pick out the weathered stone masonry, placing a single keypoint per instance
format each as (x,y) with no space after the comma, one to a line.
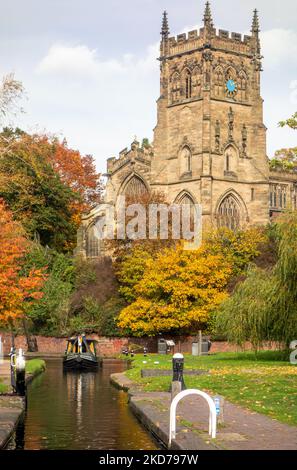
(210,140)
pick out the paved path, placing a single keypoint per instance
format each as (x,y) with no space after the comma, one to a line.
(242,429)
(11,407)
(5,371)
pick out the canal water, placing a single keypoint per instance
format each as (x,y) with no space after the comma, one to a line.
(72,410)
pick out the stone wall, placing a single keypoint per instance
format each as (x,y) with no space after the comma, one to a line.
(49,345)
(110,347)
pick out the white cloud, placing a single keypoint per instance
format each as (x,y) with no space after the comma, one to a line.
(279,46)
(100,104)
(80,61)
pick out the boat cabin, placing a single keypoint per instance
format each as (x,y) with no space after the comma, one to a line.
(81,345)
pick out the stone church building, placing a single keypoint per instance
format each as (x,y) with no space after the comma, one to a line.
(209,143)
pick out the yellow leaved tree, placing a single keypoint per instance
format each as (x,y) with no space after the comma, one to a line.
(177,289)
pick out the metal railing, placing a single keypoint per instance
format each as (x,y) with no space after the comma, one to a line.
(212,412)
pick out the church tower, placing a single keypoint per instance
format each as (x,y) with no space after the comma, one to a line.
(210,139)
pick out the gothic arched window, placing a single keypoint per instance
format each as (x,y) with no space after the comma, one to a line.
(230,73)
(188,84)
(186,199)
(135,187)
(92,243)
(227,162)
(229,213)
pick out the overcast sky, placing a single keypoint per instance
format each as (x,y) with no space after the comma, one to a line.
(89,66)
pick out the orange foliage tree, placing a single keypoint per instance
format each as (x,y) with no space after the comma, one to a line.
(47,185)
(16,290)
(79,173)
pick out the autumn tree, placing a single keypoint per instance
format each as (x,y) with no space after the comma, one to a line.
(47,185)
(33,190)
(16,290)
(239,247)
(177,291)
(123,247)
(291,122)
(11,92)
(79,173)
(285,159)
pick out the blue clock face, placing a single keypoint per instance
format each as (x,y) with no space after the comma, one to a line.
(231,86)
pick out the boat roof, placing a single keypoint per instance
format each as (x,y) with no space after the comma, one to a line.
(88,340)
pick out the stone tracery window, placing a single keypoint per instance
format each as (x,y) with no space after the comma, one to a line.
(230,74)
(229,213)
(135,187)
(186,200)
(278,196)
(196,82)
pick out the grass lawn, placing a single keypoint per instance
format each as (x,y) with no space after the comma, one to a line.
(266,385)
(34,366)
(3,387)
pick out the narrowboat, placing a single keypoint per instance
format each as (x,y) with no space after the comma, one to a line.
(80,354)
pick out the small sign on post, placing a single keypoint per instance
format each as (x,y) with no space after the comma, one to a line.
(219,404)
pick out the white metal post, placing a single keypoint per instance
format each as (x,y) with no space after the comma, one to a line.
(212,412)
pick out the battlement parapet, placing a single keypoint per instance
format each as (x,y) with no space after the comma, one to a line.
(220,38)
(143,153)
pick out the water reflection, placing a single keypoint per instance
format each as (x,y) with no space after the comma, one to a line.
(71,410)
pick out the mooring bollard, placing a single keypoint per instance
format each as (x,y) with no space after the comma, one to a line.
(20,365)
(178,384)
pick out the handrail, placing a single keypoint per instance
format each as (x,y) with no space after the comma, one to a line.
(212,412)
